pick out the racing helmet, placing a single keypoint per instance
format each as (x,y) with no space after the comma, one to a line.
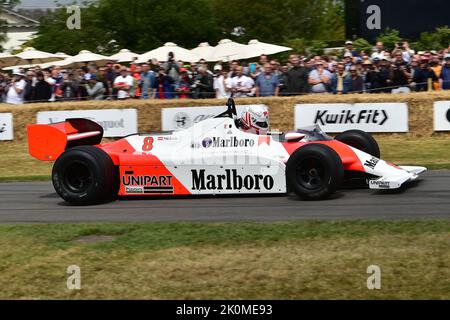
(255,120)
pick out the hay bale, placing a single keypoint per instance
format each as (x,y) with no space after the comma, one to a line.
(281,110)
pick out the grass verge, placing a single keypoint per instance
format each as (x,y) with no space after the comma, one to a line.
(17,165)
(298,260)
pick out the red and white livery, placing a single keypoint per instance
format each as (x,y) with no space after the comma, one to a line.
(213,157)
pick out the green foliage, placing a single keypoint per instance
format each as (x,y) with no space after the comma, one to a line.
(440,38)
(141,25)
(389,38)
(306,47)
(362,45)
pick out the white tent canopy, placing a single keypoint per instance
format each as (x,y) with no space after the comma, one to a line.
(162,53)
(83,58)
(32,56)
(204,51)
(124,55)
(228,50)
(256,48)
(7,60)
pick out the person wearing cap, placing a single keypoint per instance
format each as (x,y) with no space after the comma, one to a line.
(123,84)
(349,48)
(445,73)
(222,83)
(94,88)
(16,91)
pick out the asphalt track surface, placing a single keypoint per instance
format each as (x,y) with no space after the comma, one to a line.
(38,203)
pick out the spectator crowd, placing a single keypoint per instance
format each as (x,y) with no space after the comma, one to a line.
(401,71)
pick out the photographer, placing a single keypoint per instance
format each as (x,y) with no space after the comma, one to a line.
(16,91)
(172,68)
(69,87)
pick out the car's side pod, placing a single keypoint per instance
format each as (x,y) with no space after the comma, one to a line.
(48,142)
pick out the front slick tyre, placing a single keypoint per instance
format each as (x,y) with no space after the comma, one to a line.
(84,175)
(314,172)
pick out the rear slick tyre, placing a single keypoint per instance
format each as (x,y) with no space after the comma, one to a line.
(85,175)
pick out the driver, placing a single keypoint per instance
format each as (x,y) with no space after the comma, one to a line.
(255,120)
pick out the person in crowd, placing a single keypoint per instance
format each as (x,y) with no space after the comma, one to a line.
(69,87)
(42,90)
(102,77)
(340,83)
(3,87)
(355,81)
(204,84)
(233,67)
(284,78)
(378,52)
(164,85)
(124,84)
(172,68)
(222,83)
(349,48)
(136,92)
(183,88)
(445,73)
(16,90)
(94,88)
(147,82)
(319,78)
(297,78)
(241,85)
(372,79)
(267,83)
(437,69)
(384,76)
(30,84)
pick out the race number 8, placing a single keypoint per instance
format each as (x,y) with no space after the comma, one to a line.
(148,144)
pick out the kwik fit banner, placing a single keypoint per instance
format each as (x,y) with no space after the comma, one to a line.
(369,117)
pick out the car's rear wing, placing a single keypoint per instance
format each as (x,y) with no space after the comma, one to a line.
(47,142)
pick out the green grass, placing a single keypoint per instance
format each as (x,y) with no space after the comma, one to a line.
(17,165)
(291,260)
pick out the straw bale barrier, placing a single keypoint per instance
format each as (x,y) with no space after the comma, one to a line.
(281,110)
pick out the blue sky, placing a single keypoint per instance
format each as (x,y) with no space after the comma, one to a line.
(42,3)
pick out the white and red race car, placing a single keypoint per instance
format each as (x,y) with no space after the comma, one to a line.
(212,157)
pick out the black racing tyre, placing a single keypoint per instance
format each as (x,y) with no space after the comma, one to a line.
(314,172)
(85,175)
(360,140)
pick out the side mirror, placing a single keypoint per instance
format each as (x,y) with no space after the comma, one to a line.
(294,136)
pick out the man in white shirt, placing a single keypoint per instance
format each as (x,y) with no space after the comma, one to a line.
(16,91)
(241,85)
(222,83)
(123,83)
(379,52)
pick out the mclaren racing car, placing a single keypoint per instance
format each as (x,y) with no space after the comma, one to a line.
(213,157)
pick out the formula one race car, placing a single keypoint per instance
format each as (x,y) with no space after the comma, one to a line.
(215,156)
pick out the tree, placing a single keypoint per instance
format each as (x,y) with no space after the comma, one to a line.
(389,38)
(362,45)
(440,38)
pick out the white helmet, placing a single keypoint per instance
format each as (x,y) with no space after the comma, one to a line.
(255,120)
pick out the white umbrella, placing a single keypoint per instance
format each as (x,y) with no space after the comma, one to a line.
(7,60)
(124,55)
(204,51)
(62,55)
(162,53)
(256,48)
(32,56)
(83,58)
(228,50)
